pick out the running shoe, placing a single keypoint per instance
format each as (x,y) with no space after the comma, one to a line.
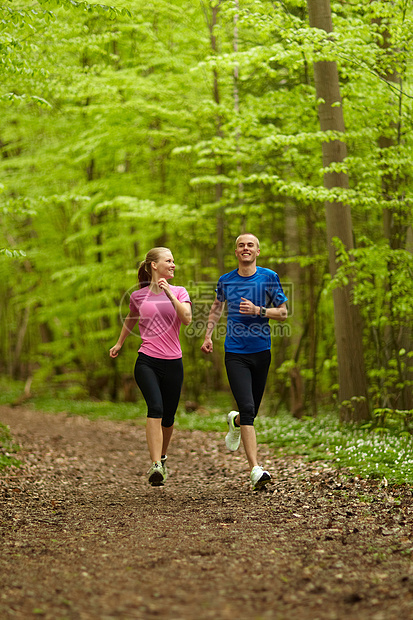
(156,476)
(233,438)
(165,469)
(259,477)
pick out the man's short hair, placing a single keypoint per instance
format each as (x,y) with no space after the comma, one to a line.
(251,235)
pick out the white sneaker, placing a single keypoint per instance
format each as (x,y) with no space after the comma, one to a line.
(156,475)
(259,477)
(233,438)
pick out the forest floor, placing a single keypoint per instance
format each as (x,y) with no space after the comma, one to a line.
(85,537)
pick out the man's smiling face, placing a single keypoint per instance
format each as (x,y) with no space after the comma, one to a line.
(247,249)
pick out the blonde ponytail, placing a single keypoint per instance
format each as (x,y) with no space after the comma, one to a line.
(145,268)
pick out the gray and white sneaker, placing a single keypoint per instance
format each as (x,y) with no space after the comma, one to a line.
(165,469)
(156,476)
(259,477)
(233,438)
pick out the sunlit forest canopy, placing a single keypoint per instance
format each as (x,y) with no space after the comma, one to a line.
(182,124)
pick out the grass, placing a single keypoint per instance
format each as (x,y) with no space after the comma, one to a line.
(367,452)
(6,448)
(90,409)
(384,454)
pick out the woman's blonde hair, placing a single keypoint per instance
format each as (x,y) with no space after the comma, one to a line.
(145,268)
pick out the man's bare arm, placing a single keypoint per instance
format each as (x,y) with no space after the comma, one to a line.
(214,316)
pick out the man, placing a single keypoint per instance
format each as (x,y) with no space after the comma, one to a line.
(253,295)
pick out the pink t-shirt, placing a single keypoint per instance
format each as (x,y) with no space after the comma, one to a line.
(158,322)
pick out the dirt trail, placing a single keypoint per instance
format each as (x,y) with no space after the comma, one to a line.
(84,537)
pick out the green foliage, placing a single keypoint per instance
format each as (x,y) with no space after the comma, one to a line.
(383,289)
(7,449)
(12,253)
(101,9)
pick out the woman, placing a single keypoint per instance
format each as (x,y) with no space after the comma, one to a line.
(160,309)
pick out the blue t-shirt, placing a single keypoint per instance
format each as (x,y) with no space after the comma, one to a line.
(247,333)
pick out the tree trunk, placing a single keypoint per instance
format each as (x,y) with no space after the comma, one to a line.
(293,272)
(348,326)
(313,300)
(395,226)
(23,324)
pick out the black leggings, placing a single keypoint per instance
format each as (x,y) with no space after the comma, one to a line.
(247,375)
(160,382)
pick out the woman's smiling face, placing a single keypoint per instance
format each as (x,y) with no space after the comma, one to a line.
(165,267)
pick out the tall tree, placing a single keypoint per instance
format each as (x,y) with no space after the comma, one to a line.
(396,211)
(348,326)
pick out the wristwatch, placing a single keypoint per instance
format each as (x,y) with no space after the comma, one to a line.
(263,311)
